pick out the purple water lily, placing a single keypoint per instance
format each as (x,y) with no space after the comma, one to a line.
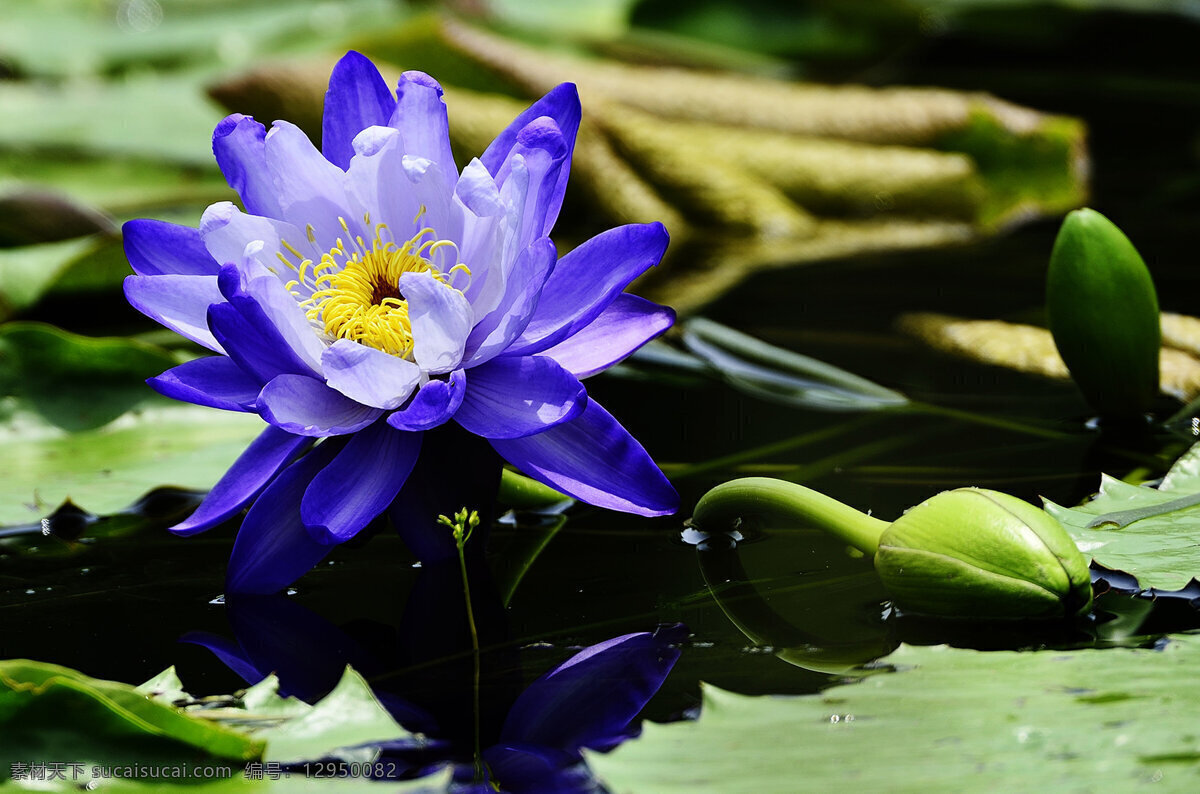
(371,292)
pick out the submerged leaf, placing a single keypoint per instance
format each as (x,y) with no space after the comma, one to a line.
(780,375)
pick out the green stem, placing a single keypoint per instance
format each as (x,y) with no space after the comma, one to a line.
(779,501)
(462,567)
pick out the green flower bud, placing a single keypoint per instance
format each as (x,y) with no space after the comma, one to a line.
(1103,312)
(967,553)
(974,553)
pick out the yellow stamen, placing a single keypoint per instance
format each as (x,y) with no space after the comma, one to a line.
(357,294)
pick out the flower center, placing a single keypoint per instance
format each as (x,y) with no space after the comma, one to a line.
(356,291)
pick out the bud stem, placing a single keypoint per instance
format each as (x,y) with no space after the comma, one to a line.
(777,500)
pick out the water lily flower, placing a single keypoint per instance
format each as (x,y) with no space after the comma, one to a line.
(370,292)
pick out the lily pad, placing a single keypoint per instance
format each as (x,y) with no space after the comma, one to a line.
(1151,533)
(52,712)
(1083,720)
(105,469)
(76,382)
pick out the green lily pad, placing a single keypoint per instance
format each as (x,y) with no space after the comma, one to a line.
(52,712)
(1151,533)
(76,382)
(349,715)
(106,469)
(1005,721)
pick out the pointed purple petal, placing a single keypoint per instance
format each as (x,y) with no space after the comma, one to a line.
(253,342)
(433,405)
(494,332)
(590,699)
(312,190)
(420,116)
(265,304)
(511,397)
(540,148)
(178,302)
(214,381)
(594,459)
(562,105)
(238,146)
(360,482)
(307,407)
(358,97)
(155,248)
(369,376)
(625,325)
(246,478)
(586,280)
(273,548)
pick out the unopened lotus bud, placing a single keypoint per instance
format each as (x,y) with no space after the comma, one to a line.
(967,553)
(1103,312)
(974,553)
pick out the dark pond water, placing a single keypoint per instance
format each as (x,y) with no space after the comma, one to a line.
(118,607)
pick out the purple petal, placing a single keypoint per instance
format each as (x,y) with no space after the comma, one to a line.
(433,405)
(312,190)
(360,482)
(227,232)
(273,548)
(238,146)
(214,381)
(229,652)
(542,150)
(594,459)
(263,301)
(308,407)
(441,320)
(562,105)
(178,302)
(518,396)
(586,280)
(246,478)
(358,97)
(477,190)
(590,699)
(369,376)
(155,248)
(625,325)
(253,342)
(494,332)
(420,116)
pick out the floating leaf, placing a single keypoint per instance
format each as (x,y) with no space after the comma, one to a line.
(1005,720)
(781,375)
(76,382)
(348,716)
(52,712)
(106,469)
(1149,532)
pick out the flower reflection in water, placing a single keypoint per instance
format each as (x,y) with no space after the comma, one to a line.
(531,737)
